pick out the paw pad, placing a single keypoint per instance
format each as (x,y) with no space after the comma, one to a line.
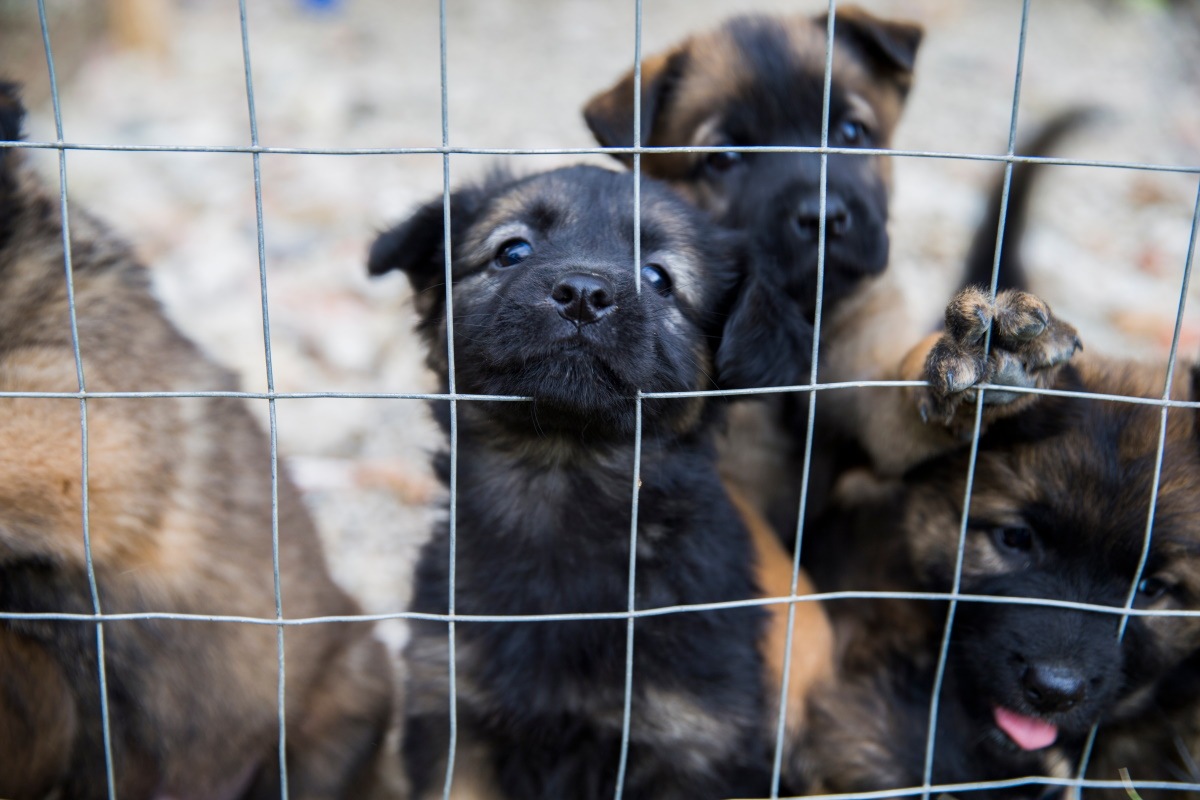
(1028,346)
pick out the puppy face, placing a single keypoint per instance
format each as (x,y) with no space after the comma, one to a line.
(546,302)
(1064,518)
(759,80)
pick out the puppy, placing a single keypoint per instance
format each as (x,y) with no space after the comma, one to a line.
(759,80)
(179,510)
(1059,509)
(546,306)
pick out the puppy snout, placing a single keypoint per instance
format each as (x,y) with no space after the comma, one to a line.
(582,298)
(808,217)
(1051,688)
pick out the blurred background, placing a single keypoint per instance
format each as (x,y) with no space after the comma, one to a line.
(1106,247)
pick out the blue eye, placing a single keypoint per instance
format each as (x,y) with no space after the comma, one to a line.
(657,279)
(850,132)
(1153,588)
(723,160)
(513,252)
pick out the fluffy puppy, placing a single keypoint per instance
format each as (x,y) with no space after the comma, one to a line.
(1059,510)
(759,80)
(546,306)
(179,508)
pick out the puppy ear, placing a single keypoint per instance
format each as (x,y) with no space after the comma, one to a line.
(1196,396)
(417,246)
(890,45)
(12,114)
(609,114)
(766,341)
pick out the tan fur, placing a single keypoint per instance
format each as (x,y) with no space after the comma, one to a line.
(812,636)
(179,514)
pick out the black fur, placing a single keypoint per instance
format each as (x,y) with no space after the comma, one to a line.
(544,500)
(768,193)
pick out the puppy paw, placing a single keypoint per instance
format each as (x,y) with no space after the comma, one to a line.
(1029,346)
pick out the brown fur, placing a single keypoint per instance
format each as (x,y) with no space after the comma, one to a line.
(179,512)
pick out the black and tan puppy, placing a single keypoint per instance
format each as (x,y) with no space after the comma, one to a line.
(179,512)
(759,80)
(1059,511)
(546,306)
(873,718)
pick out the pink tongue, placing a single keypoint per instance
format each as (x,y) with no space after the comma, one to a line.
(1027,732)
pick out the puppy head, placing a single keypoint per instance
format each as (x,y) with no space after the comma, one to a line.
(759,80)
(1064,518)
(545,298)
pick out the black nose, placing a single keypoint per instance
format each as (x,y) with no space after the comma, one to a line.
(1052,688)
(808,217)
(582,298)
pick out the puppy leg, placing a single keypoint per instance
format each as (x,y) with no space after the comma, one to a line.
(37,720)
(1029,347)
(336,748)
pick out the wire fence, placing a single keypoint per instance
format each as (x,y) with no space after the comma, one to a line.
(813,389)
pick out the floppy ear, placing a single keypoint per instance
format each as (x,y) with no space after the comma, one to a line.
(417,246)
(12,113)
(766,340)
(1195,395)
(889,45)
(609,114)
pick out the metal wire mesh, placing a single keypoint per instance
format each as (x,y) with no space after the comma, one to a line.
(813,389)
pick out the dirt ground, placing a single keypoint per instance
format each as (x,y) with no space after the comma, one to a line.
(1107,248)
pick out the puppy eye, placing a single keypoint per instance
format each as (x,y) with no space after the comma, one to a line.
(722,161)
(513,252)
(657,278)
(1151,590)
(1017,538)
(850,132)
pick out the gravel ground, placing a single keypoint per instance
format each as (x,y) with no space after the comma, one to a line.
(1107,247)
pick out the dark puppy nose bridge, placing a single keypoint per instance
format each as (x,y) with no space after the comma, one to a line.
(582,297)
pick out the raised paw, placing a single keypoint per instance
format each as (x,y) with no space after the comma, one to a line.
(1028,347)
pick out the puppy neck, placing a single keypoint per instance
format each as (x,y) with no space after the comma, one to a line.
(525,483)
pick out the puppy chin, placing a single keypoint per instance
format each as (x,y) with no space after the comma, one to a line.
(573,389)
